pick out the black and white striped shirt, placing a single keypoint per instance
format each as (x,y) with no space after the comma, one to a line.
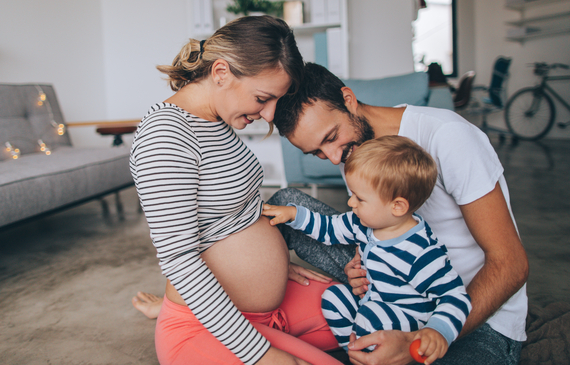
(198,183)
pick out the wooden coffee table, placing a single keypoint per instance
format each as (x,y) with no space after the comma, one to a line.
(117,130)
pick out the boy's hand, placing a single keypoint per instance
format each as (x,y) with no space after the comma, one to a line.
(433,344)
(281,214)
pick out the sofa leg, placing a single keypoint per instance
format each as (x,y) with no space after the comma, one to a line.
(104,208)
(119,205)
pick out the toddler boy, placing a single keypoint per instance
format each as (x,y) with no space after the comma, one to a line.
(413,286)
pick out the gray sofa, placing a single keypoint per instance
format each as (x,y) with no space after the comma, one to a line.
(412,88)
(36,183)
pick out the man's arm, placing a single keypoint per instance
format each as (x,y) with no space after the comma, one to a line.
(505,269)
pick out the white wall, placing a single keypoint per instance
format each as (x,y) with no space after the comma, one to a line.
(380,38)
(465,36)
(56,42)
(138,35)
(490,29)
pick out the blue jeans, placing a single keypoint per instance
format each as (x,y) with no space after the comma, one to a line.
(482,346)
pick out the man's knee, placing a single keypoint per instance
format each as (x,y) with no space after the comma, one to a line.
(482,346)
(283,196)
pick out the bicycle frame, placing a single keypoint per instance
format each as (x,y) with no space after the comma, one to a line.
(544,85)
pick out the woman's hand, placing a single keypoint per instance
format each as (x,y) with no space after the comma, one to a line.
(301,275)
(281,214)
(276,356)
(357,276)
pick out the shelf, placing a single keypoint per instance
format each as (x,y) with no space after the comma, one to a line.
(333,50)
(530,28)
(309,28)
(522,5)
(539,19)
(539,34)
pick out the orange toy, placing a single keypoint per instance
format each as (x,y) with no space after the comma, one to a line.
(414,351)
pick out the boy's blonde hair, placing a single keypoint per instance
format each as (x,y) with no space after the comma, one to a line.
(397,167)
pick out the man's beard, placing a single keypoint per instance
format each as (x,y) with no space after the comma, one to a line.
(363,131)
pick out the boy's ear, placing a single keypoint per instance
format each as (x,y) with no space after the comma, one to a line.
(400,206)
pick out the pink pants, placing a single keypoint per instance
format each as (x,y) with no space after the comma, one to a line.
(297,327)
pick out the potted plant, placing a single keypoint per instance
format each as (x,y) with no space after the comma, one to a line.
(246,7)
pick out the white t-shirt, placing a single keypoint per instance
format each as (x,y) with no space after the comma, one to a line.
(468,169)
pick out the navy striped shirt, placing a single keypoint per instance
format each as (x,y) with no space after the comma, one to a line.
(198,183)
(411,271)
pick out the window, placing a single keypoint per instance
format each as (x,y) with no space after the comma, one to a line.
(435,36)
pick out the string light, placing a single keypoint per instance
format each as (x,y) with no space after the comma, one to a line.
(43,147)
(60,127)
(42,99)
(15,152)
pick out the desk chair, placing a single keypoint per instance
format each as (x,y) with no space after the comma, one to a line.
(463,92)
(496,96)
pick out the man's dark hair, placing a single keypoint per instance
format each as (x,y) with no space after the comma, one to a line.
(318,84)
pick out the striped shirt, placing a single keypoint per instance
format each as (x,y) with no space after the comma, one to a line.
(198,183)
(411,271)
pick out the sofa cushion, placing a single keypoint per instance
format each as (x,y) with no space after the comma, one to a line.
(42,116)
(410,89)
(23,121)
(307,169)
(36,183)
(19,133)
(440,97)
(321,169)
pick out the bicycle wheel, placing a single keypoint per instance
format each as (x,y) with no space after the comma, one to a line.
(530,113)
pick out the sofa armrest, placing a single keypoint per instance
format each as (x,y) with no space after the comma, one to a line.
(440,97)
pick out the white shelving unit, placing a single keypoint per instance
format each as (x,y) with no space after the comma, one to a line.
(268,151)
(526,4)
(308,29)
(534,27)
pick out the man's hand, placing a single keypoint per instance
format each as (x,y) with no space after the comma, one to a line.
(357,276)
(281,214)
(392,348)
(302,275)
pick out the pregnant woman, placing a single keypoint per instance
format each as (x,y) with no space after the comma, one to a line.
(228,298)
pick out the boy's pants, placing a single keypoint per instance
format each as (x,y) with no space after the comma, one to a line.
(345,316)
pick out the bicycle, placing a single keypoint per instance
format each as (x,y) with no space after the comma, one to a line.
(530,112)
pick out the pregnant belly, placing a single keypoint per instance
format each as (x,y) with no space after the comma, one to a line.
(251,266)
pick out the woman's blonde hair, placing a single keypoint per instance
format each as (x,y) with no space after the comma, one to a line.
(397,167)
(250,45)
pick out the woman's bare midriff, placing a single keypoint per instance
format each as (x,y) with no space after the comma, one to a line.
(251,265)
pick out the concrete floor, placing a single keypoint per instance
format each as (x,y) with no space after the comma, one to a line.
(66,280)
